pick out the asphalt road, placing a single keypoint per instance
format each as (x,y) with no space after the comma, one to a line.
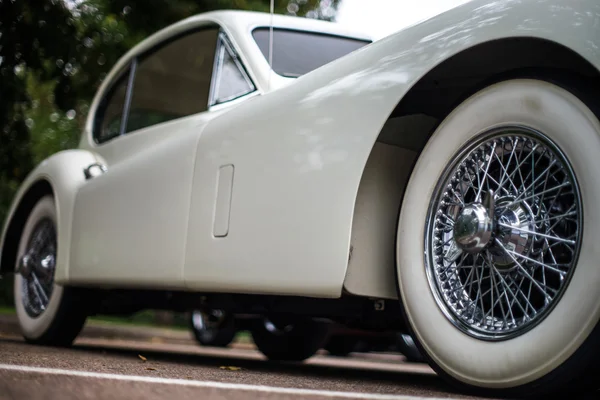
(163,365)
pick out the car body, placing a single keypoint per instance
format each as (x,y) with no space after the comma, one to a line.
(282,196)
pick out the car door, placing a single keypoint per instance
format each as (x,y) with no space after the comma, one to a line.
(130,222)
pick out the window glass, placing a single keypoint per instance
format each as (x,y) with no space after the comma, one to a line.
(173,81)
(108,122)
(231,80)
(296,53)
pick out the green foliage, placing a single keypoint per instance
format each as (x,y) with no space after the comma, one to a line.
(55,53)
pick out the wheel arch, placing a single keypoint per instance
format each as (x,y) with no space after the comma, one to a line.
(16,222)
(468,71)
(372,263)
(60,175)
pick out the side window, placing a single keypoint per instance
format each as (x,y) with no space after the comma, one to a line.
(108,120)
(230,79)
(179,78)
(173,81)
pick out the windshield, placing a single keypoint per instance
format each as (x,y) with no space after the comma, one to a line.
(296,53)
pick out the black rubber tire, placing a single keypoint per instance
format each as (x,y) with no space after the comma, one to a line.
(303,339)
(219,337)
(409,349)
(341,346)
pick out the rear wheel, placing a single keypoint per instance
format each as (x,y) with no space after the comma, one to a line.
(497,266)
(48,313)
(213,327)
(296,340)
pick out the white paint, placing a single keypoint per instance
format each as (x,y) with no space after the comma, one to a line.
(211,385)
(299,154)
(384,17)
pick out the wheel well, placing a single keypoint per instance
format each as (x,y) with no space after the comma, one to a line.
(17,223)
(463,74)
(411,124)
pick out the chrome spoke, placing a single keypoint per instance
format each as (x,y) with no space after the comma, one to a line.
(40,291)
(534,196)
(515,299)
(541,264)
(558,239)
(485,173)
(524,271)
(505,171)
(569,213)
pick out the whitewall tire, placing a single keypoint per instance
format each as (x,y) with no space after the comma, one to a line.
(47,313)
(501,233)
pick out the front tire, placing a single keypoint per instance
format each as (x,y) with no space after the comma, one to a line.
(48,314)
(518,344)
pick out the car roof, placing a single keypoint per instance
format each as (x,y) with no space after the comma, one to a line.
(238,25)
(241,23)
(252,19)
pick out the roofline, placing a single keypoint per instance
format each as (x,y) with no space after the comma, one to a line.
(254,18)
(233,22)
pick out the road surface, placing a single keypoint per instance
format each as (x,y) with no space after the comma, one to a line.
(112,362)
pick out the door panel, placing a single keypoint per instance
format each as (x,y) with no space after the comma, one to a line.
(129,224)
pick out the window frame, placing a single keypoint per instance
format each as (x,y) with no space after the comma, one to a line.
(367,41)
(225,45)
(124,75)
(129,70)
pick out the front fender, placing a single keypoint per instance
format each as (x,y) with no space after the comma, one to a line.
(63,171)
(303,148)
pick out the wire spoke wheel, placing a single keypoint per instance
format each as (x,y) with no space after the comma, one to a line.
(503,233)
(37,267)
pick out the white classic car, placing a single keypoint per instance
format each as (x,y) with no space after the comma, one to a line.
(442,181)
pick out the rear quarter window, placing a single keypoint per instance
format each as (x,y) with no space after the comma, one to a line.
(296,52)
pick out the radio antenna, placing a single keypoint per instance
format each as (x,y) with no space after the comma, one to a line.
(271,42)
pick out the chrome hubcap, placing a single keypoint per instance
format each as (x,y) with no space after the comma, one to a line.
(503,233)
(37,268)
(208,322)
(473,227)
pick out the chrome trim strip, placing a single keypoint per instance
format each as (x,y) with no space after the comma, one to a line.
(128,96)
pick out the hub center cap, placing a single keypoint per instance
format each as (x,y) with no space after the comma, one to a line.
(473,228)
(478,225)
(25,266)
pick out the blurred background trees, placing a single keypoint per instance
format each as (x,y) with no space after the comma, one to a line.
(55,53)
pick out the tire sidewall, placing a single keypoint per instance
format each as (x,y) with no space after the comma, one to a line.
(521,360)
(35,327)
